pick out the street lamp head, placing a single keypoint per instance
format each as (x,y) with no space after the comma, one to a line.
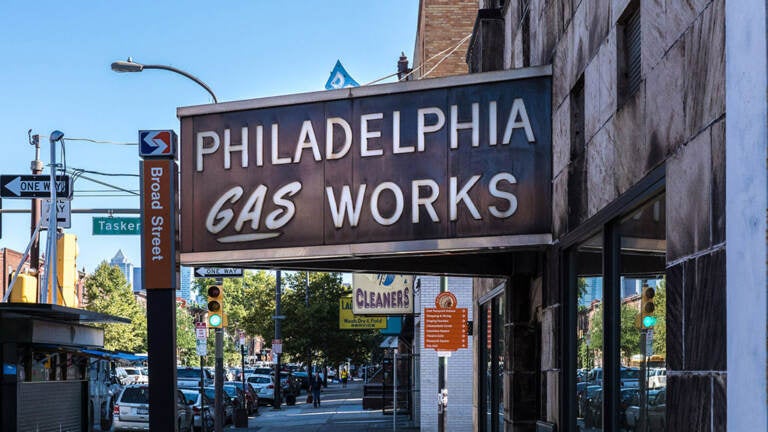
(127,66)
(56,136)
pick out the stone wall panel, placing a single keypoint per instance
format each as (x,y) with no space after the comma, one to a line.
(675,289)
(601,165)
(704,328)
(689,179)
(665,120)
(689,403)
(652,33)
(560,204)
(705,55)
(718,182)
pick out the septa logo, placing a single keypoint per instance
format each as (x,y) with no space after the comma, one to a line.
(157,143)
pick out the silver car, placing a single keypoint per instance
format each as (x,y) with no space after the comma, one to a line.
(194,400)
(131,411)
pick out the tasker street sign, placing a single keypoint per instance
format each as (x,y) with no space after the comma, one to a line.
(33,186)
(157,143)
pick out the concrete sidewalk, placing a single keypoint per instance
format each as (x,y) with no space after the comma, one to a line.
(340,411)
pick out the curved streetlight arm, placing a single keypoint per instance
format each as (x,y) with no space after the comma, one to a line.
(186,74)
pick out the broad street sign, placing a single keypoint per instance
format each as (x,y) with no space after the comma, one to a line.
(63,213)
(218,272)
(33,186)
(158,225)
(116,226)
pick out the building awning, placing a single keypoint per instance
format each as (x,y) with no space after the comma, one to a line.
(58,313)
(115,355)
(389,342)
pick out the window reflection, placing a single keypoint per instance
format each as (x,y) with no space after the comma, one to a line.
(643,341)
(589,334)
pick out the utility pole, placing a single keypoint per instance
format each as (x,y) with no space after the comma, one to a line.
(306,301)
(442,377)
(34,255)
(278,390)
(50,255)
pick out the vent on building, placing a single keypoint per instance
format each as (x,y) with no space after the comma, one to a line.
(630,64)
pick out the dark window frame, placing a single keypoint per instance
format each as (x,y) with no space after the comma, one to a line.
(607,220)
(629,67)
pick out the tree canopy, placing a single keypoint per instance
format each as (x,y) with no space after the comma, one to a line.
(108,292)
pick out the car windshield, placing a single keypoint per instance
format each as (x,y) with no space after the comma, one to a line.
(631,374)
(132,372)
(231,391)
(190,396)
(188,373)
(138,395)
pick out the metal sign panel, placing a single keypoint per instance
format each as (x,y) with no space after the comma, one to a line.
(63,213)
(382,294)
(33,186)
(445,164)
(201,331)
(349,321)
(158,227)
(116,226)
(445,329)
(157,144)
(219,272)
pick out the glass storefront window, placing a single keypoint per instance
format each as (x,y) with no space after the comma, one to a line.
(642,343)
(589,334)
(491,339)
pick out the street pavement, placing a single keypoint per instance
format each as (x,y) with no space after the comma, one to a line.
(341,410)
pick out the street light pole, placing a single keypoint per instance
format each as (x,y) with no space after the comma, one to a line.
(132,66)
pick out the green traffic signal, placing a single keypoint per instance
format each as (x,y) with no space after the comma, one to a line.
(649,321)
(214,320)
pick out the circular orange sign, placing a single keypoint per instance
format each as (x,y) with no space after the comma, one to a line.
(446,300)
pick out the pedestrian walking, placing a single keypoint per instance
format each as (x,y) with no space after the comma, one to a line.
(344,377)
(316,386)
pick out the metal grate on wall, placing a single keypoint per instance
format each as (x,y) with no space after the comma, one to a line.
(632,51)
(51,406)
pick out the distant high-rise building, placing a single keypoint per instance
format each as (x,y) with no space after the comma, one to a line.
(124,265)
(137,279)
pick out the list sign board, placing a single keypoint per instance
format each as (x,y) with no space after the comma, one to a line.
(441,164)
(158,248)
(349,321)
(445,329)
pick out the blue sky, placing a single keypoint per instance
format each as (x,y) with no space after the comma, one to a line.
(56,75)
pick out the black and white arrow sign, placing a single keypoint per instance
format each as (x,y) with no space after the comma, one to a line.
(218,272)
(32,186)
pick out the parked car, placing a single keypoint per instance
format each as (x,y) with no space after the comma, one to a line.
(583,393)
(657,405)
(131,375)
(265,386)
(131,411)
(593,411)
(190,377)
(236,394)
(303,379)
(290,387)
(627,398)
(657,378)
(210,393)
(199,406)
(251,395)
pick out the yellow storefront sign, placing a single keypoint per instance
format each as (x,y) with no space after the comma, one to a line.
(350,321)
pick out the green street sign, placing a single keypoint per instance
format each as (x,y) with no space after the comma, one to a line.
(116,226)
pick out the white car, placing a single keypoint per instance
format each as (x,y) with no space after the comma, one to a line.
(131,375)
(657,378)
(264,386)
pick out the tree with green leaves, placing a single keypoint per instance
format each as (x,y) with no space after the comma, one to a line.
(108,292)
(186,341)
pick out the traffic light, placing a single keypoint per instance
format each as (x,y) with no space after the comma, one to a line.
(66,270)
(647,307)
(215,306)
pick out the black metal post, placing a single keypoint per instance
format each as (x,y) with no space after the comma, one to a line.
(202,395)
(442,370)
(242,373)
(161,340)
(278,294)
(219,382)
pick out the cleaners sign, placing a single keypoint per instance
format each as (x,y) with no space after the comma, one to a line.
(382,294)
(426,166)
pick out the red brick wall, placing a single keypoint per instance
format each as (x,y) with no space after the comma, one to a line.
(442,25)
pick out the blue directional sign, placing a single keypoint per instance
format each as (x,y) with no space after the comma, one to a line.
(340,78)
(33,186)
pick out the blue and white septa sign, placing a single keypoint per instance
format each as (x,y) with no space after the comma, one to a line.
(158,144)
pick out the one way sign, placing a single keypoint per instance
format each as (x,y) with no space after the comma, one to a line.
(218,272)
(33,186)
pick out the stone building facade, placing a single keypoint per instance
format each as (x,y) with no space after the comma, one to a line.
(648,183)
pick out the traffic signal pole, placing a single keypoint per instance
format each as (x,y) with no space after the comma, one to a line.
(219,383)
(278,335)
